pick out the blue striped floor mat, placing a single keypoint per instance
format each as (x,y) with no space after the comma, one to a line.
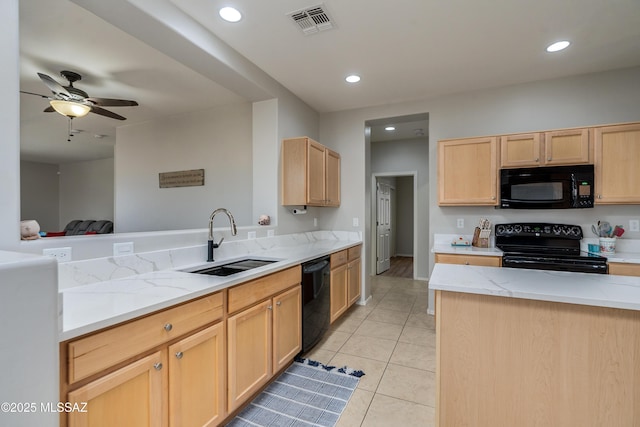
(307,394)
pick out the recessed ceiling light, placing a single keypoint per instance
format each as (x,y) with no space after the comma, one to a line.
(230,14)
(390,128)
(353,78)
(555,47)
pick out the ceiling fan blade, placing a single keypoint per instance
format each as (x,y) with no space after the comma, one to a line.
(108,102)
(55,87)
(106,113)
(49,109)
(36,94)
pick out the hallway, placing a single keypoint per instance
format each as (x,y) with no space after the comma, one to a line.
(392,339)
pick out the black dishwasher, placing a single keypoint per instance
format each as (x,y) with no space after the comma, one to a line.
(316,302)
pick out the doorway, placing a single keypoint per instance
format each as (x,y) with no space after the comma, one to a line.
(394,217)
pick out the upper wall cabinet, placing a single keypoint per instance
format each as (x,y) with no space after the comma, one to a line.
(617,160)
(561,147)
(310,173)
(468,172)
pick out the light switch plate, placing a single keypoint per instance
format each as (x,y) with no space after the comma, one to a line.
(634,225)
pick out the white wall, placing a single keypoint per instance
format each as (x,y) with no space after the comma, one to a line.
(39,194)
(86,191)
(405,216)
(600,98)
(10,125)
(218,140)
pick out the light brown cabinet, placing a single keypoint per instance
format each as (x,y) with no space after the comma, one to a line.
(468,172)
(124,385)
(624,269)
(481,260)
(617,156)
(265,335)
(345,280)
(310,173)
(553,148)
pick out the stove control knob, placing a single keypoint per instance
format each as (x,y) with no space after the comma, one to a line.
(557,229)
(517,229)
(575,231)
(500,229)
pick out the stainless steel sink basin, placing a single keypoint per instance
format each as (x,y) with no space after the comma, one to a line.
(234,267)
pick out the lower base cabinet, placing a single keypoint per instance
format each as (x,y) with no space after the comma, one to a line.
(480,260)
(346,280)
(131,396)
(264,335)
(624,269)
(192,371)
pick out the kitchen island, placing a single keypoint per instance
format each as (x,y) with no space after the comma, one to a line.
(536,348)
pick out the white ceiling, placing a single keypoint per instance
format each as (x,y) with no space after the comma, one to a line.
(404,50)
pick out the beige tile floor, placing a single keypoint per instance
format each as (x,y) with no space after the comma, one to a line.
(392,339)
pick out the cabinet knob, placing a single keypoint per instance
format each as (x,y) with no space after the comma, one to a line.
(270,307)
(549,159)
(179,355)
(157,366)
(493,197)
(599,196)
(466,263)
(537,160)
(168,327)
(279,303)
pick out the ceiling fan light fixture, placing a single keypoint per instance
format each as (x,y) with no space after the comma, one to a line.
(69,108)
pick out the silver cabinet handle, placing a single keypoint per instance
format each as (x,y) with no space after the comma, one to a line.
(599,196)
(157,366)
(168,327)
(179,355)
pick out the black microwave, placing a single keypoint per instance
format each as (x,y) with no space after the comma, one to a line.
(554,187)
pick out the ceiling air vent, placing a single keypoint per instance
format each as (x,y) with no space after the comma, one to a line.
(312,19)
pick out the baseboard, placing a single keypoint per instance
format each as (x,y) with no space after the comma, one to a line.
(431,312)
(365,302)
(403,255)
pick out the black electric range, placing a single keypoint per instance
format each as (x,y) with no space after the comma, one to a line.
(545,246)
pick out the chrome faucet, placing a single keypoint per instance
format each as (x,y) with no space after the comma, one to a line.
(210,243)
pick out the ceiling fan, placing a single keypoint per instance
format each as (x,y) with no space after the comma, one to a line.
(73,102)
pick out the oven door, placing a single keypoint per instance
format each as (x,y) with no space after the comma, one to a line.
(536,188)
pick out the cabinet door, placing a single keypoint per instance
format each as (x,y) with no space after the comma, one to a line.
(567,147)
(197,379)
(353,280)
(624,269)
(468,172)
(287,327)
(617,156)
(333,178)
(249,352)
(129,397)
(339,303)
(518,151)
(316,169)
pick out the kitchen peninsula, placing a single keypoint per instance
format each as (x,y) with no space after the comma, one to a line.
(532,347)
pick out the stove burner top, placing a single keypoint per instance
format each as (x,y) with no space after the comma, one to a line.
(545,246)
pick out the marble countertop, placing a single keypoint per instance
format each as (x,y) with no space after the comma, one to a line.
(600,290)
(442,245)
(90,307)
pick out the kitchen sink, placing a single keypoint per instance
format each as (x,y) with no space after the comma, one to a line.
(234,267)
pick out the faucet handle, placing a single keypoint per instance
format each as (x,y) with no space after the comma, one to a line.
(217,245)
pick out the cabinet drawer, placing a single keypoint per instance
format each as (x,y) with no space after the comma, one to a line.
(354,252)
(339,258)
(249,293)
(624,269)
(100,351)
(481,260)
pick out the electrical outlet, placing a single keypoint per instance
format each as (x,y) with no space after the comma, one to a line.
(356,222)
(125,248)
(315,222)
(460,223)
(634,225)
(251,235)
(61,254)
(270,233)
